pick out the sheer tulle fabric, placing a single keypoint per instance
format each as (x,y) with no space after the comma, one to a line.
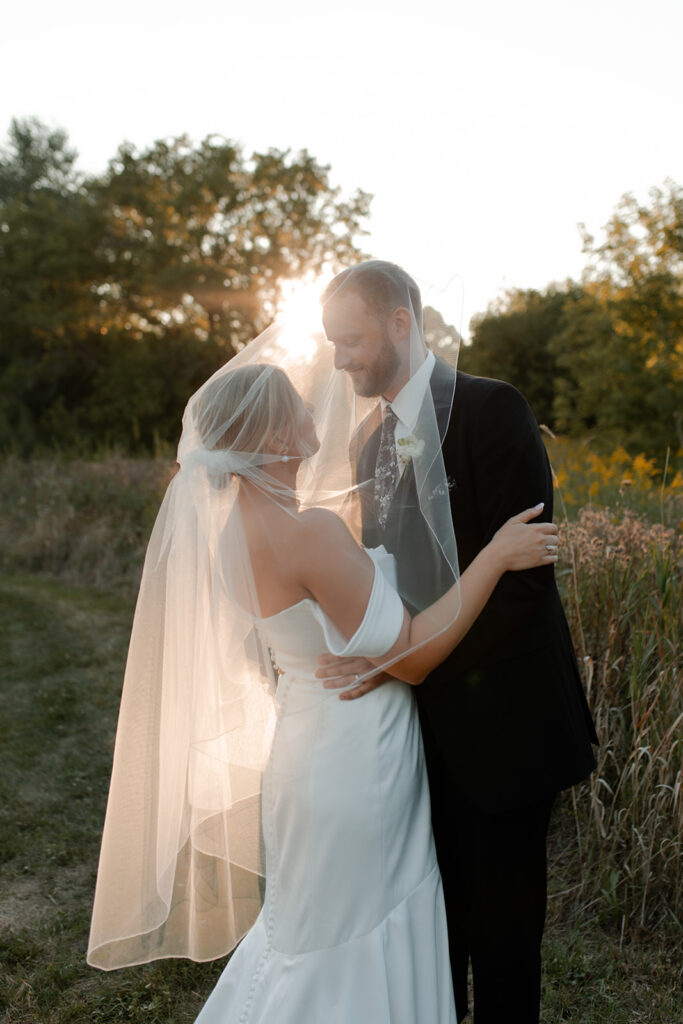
(181,866)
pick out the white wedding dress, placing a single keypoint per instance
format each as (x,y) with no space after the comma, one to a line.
(353,926)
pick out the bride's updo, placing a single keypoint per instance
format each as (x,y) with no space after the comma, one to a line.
(246,408)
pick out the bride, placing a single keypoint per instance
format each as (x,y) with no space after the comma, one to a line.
(228,770)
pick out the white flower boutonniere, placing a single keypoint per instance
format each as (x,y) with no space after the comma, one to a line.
(408,448)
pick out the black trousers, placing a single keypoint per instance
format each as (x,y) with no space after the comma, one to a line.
(495,886)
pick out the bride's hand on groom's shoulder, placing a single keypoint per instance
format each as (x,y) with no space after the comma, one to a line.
(338,673)
(523,544)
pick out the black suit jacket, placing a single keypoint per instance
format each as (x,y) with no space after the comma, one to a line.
(504,717)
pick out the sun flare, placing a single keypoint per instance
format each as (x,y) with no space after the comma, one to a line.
(301,315)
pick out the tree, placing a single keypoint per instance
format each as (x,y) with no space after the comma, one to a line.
(49,228)
(442,338)
(621,351)
(36,158)
(205,236)
(604,355)
(512,342)
(119,294)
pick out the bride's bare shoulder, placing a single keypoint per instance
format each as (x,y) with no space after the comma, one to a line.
(328,558)
(322,534)
(323,524)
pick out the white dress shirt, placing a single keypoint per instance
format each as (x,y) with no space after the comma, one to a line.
(408,401)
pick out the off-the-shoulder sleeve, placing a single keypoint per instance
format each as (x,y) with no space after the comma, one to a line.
(381,625)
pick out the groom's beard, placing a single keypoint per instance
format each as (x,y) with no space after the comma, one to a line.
(375,378)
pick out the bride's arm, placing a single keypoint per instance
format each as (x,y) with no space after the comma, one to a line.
(340,575)
(434,633)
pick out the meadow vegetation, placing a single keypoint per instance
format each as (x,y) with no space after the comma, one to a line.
(82,521)
(624,482)
(72,540)
(120,294)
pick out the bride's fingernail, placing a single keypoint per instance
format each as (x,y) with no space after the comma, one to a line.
(538,507)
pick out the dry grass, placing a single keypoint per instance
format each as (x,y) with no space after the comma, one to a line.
(62,650)
(624,600)
(614,942)
(85,522)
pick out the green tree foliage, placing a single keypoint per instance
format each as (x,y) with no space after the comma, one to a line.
(120,293)
(620,354)
(48,228)
(512,342)
(605,355)
(206,236)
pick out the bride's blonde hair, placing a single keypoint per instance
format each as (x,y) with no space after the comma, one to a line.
(248,407)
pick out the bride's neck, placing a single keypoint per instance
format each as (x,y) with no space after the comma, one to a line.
(285,473)
(284,478)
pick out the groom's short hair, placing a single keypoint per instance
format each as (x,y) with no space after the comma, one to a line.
(383,286)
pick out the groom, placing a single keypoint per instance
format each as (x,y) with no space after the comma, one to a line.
(504,719)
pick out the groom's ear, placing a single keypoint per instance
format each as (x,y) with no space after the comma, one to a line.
(399,324)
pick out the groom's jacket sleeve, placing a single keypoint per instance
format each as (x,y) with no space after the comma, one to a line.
(507,471)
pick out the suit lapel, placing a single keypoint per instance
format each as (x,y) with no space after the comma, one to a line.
(442,384)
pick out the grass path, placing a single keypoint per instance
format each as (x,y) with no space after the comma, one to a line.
(62,652)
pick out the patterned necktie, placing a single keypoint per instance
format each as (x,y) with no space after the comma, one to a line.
(386,468)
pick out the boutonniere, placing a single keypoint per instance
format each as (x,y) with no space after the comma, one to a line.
(408,448)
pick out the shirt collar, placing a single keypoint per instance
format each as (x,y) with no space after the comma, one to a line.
(408,401)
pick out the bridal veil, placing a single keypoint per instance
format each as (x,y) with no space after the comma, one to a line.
(181,866)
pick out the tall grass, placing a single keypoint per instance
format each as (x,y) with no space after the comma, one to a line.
(618,847)
(624,599)
(86,522)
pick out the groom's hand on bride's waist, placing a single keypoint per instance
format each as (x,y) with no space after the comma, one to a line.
(338,673)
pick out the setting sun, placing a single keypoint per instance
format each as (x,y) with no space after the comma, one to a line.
(300,315)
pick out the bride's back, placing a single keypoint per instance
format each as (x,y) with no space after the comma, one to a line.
(273,537)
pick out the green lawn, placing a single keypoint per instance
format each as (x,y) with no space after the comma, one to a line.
(63,650)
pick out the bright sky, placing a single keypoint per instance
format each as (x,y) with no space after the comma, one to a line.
(486,131)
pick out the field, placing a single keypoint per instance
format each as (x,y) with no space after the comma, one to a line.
(72,536)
